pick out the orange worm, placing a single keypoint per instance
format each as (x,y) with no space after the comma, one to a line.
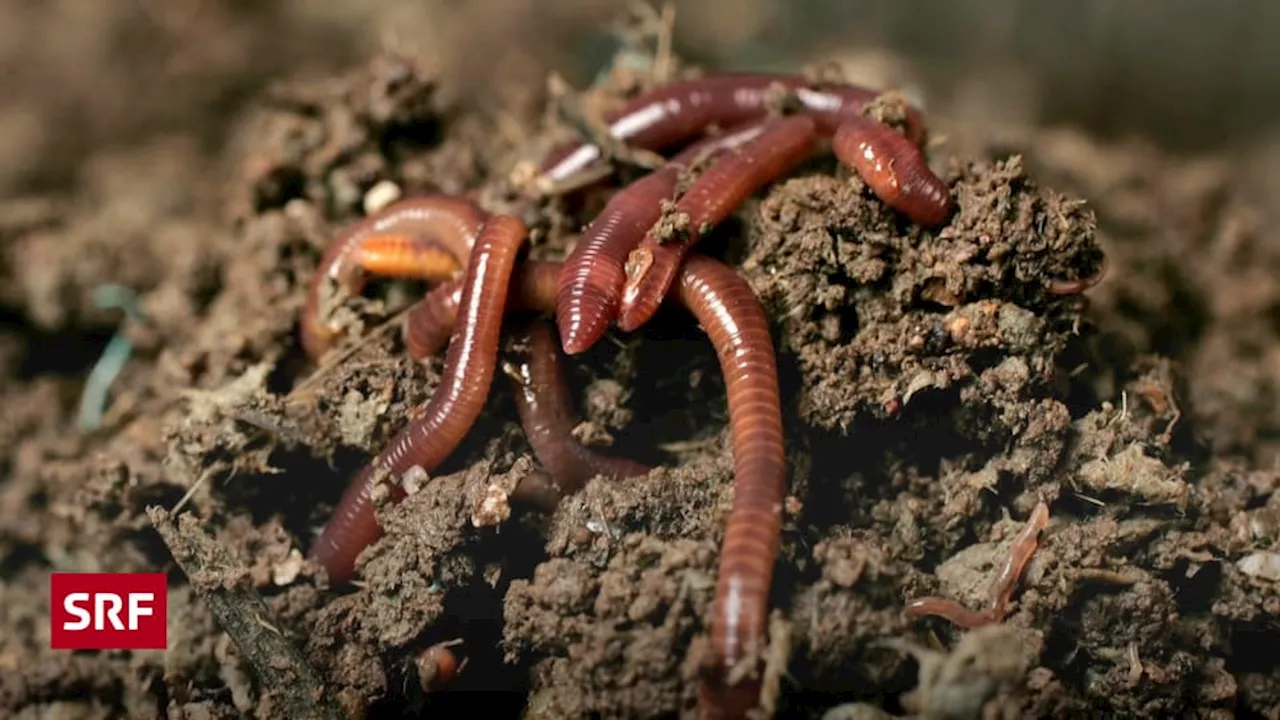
(652,267)
(404,256)
(453,409)
(1002,585)
(437,666)
(417,236)
(894,169)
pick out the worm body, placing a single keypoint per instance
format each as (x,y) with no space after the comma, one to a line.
(1002,585)
(437,666)
(894,169)
(428,232)
(731,178)
(430,321)
(545,408)
(404,256)
(1079,285)
(429,439)
(731,315)
(677,112)
(590,287)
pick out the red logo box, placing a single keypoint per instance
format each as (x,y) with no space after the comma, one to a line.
(108,611)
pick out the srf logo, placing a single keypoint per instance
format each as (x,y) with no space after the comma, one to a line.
(108,611)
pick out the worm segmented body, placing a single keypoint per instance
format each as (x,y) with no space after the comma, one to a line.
(615,276)
(430,321)
(590,290)
(894,169)
(1003,584)
(677,112)
(545,408)
(590,287)
(426,237)
(727,309)
(622,269)
(731,315)
(732,178)
(453,409)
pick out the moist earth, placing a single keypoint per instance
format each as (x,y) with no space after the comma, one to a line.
(935,390)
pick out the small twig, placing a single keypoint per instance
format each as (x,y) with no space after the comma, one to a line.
(191,492)
(663,65)
(243,614)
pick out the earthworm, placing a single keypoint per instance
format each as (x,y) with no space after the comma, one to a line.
(433,229)
(733,319)
(429,323)
(1079,285)
(430,438)
(438,665)
(894,169)
(404,256)
(538,490)
(731,178)
(1002,585)
(590,288)
(676,112)
(545,408)
(542,399)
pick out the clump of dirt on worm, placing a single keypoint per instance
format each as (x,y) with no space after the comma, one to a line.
(935,391)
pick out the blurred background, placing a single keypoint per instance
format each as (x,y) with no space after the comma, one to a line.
(1190,75)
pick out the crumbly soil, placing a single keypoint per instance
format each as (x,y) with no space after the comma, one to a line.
(935,390)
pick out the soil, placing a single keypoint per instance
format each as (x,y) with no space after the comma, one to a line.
(935,390)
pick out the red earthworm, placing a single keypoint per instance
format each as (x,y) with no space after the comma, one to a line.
(449,224)
(1002,585)
(733,319)
(429,323)
(676,112)
(538,490)
(1079,285)
(590,288)
(438,665)
(545,408)
(428,440)
(731,178)
(894,169)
